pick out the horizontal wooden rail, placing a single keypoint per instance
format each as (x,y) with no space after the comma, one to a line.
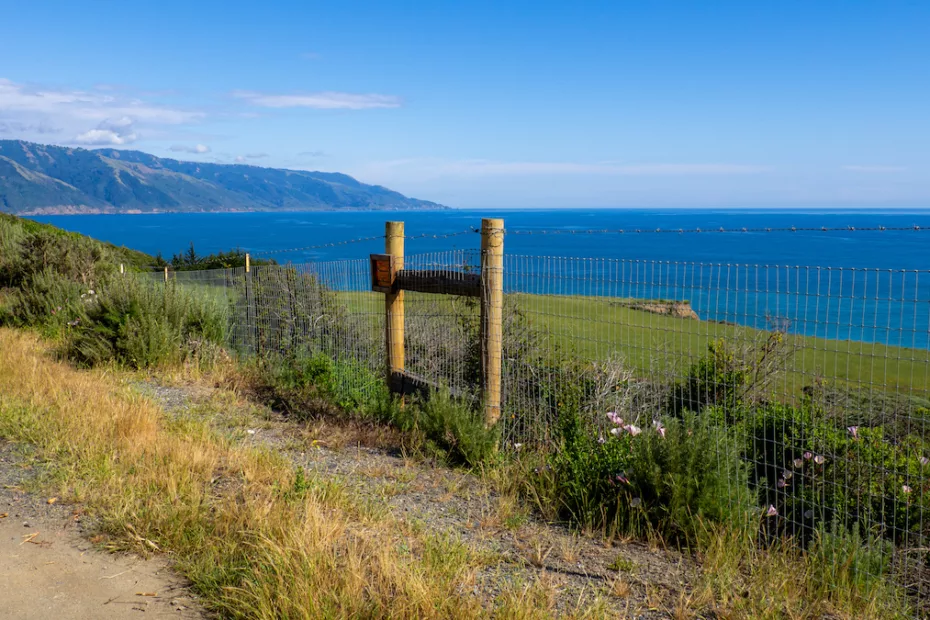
(408,384)
(442,281)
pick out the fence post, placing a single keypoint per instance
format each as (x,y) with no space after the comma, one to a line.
(121,269)
(394,302)
(492,315)
(166,274)
(251,319)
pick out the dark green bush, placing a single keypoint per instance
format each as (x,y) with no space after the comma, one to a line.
(815,473)
(450,428)
(666,479)
(140,324)
(300,385)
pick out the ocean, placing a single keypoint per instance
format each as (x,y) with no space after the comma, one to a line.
(854,284)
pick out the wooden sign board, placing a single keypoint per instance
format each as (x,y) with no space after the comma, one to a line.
(382,273)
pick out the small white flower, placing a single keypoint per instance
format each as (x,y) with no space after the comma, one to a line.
(517,446)
(798,463)
(906,488)
(771,512)
(819,459)
(924,460)
(616,431)
(786,474)
(636,502)
(632,429)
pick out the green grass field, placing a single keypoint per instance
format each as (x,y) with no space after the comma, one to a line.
(592,328)
(596,328)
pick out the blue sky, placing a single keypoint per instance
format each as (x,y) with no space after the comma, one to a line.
(497,104)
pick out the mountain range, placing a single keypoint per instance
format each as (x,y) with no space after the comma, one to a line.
(44,179)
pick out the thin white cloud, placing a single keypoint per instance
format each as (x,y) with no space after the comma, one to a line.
(319,101)
(256,155)
(103,137)
(110,132)
(875,169)
(87,115)
(240,159)
(183,148)
(482,168)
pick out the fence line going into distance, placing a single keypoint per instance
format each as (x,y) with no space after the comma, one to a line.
(824,370)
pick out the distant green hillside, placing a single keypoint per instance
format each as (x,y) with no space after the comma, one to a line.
(37,179)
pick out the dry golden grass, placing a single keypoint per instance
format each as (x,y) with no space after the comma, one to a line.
(256,538)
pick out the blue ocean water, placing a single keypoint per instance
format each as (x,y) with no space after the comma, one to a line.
(870,286)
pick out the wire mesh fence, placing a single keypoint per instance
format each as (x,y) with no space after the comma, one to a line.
(822,374)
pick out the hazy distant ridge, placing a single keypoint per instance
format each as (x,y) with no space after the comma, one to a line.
(42,179)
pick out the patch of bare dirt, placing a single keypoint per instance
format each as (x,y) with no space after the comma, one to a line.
(49,568)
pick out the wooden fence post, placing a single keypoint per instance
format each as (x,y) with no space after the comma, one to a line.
(121,269)
(251,316)
(492,315)
(394,302)
(166,274)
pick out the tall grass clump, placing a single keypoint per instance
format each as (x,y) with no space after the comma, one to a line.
(140,324)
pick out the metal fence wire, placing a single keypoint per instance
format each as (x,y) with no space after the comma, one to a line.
(823,373)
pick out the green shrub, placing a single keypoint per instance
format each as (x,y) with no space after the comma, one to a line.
(666,479)
(815,473)
(139,324)
(731,375)
(450,428)
(50,300)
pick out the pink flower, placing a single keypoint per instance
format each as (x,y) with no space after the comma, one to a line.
(771,512)
(798,463)
(622,478)
(854,431)
(781,483)
(616,431)
(616,419)
(924,460)
(906,488)
(819,459)
(808,455)
(632,430)
(659,428)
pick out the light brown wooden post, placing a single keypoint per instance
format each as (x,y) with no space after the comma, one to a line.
(247,263)
(394,302)
(166,274)
(492,316)
(121,269)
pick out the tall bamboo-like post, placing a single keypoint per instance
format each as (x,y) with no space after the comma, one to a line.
(492,316)
(394,302)
(166,274)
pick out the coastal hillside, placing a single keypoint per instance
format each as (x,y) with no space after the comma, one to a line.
(43,179)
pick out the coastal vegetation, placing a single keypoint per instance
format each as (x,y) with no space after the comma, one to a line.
(732,460)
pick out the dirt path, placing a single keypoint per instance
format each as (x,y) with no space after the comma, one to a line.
(634,580)
(49,569)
